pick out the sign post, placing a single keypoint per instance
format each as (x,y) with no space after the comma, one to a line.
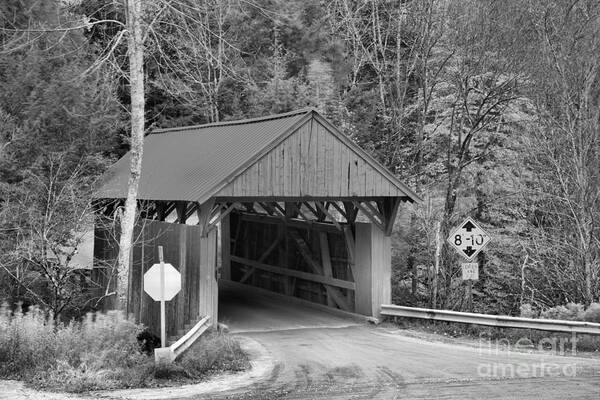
(470,271)
(162,282)
(468,239)
(163,325)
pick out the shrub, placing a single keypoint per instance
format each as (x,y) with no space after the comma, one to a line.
(570,312)
(215,352)
(527,311)
(592,314)
(103,351)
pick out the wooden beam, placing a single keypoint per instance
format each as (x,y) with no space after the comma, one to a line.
(267,219)
(191,210)
(281,199)
(351,211)
(221,215)
(326,261)
(390,211)
(225,271)
(236,238)
(266,208)
(289,283)
(272,210)
(320,214)
(339,209)
(296,274)
(327,213)
(169,209)
(369,215)
(350,246)
(276,206)
(204,211)
(291,210)
(300,213)
(332,292)
(374,210)
(180,208)
(262,258)
(311,209)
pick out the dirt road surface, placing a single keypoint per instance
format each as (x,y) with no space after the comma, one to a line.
(320,356)
(316,355)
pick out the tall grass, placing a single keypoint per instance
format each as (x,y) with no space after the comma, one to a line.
(100,352)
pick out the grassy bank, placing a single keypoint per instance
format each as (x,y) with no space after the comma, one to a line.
(101,352)
(505,338)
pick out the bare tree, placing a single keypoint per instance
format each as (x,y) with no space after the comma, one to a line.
(564,145)
(474,90)
(45,221)
(135,40)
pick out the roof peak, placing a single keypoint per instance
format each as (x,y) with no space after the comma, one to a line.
(237,122)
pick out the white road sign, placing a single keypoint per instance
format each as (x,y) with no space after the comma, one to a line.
(468,239)
(470,271)
(152,282)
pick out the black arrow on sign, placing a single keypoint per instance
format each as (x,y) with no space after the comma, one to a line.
(468,226)
(469,251)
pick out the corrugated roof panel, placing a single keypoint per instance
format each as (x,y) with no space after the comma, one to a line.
(183,164)
(194,163)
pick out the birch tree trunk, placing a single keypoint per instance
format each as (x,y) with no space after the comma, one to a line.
(136,81)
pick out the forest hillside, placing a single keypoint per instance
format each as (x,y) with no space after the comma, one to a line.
(488,109)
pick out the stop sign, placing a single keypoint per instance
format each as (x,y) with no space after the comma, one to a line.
(152,282)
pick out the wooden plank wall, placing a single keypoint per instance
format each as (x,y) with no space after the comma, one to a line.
(192,255)
(373,269)
(311,162)
(251,240)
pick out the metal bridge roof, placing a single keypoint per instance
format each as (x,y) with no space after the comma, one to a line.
(192,163)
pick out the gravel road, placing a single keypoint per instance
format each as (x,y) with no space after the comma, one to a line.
(317,355)
(321,356)
(363,362)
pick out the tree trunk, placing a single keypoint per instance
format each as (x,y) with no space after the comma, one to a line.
(436,269)
(136,81)
(445,227)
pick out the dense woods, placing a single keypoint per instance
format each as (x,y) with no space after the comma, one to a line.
(487,108)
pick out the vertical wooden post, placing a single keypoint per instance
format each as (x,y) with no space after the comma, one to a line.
(326,261)
(208,288)
(225,249)
(469,295)
(163,328)
(142,263)
(373,269)
(289,282)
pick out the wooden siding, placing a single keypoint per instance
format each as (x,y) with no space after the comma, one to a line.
(191,254)
(373,269)
(311,162)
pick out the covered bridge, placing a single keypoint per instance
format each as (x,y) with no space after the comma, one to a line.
(285,203)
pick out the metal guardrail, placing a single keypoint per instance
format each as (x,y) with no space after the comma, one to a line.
(166,355)
(190,337)
(500,321)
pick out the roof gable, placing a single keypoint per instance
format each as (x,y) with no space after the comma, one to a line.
(314,161)
(297,154)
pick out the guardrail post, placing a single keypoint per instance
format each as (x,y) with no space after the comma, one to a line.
(163,356)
